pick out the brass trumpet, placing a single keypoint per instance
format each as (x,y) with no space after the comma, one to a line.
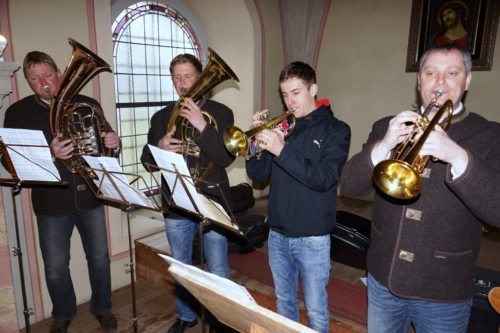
(237,142)
(399,177)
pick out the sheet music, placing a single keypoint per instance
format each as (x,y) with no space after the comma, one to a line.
(30,154)
(110,164)
(225,286)
(175,162)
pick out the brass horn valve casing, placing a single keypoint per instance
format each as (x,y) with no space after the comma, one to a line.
(83,123)
(399,177)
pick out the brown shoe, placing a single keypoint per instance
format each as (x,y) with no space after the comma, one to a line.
(108,322)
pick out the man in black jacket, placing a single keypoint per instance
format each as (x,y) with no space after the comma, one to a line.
(422,252)
(185,69)
(60,208)
(304,170)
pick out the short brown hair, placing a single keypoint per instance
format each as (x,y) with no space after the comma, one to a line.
(184,58)
(299,70)
(38,58)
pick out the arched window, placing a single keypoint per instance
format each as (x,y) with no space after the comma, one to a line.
(146,36)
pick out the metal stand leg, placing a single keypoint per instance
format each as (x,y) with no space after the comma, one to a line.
(131,270)
(16,251)
(204,266)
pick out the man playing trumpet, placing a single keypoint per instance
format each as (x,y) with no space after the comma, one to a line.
(304,170)
(422,253)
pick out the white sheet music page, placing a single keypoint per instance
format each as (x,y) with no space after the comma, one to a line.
(225,287)
(30,154)
(110,164)
(175,162)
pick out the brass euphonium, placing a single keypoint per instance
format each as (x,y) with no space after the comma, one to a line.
(83,123)
(399,177)
(216,71)
(238,142)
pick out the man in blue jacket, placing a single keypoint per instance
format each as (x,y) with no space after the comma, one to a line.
(304,170)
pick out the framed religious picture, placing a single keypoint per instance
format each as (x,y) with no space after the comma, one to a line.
(471,24)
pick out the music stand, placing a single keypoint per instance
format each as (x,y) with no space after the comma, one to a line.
(113,186)
(231,303)
(185,197)
(21,169)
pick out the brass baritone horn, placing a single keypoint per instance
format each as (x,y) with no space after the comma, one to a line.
(238,142)
(66,121)
(216,71)
(399,177)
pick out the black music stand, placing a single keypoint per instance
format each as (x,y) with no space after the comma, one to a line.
(17,184)
(185,198)
(114,187)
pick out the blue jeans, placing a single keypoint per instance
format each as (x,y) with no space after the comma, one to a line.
(55,240)
(308,257)
(180,234)
(388,313)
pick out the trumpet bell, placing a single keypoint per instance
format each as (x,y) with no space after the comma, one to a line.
(397,179)
(236,141)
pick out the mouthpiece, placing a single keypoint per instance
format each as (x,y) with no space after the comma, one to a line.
(438,93)
(46,89)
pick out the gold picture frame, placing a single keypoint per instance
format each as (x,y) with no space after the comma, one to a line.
(432,21)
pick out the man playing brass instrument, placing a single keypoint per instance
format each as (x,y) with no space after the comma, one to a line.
(59,209)
(185,69)
(422,253)
(303,170)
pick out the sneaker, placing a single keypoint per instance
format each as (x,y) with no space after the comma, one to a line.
(180,325)
(108,322)
(59,326)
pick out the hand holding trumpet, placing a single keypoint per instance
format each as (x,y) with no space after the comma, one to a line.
(271,140)
(438,144)
(399,128)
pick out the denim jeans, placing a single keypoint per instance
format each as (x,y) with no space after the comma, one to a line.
(55,240)
(308,257)
(388,313)
(180,234)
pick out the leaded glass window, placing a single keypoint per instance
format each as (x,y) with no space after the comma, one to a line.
(146,36)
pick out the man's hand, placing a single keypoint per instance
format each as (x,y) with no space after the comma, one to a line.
(168,142)
(61,149)
(191,111)
(111,140)
(439,145)
(397,131)
(259,118)
(271,140)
